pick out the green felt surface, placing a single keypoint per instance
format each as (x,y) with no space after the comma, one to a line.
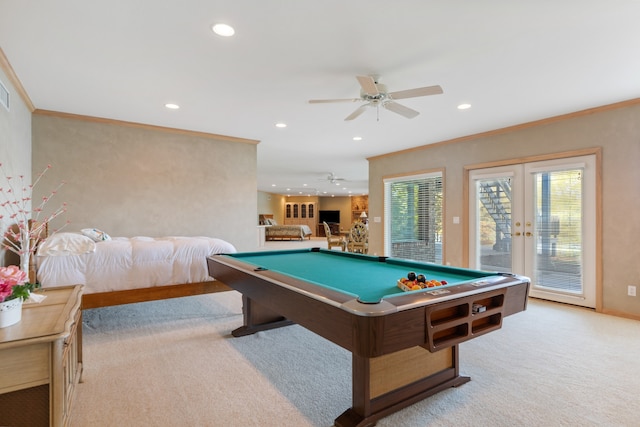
(363,276)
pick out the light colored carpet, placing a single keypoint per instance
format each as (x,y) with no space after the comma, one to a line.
(174,363)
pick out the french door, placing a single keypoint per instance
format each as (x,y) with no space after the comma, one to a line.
(538,219)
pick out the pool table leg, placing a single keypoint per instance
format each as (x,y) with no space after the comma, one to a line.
(258,318)
(386,384)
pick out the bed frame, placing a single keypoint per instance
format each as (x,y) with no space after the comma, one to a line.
(129,296)
(277,237)
(106,299)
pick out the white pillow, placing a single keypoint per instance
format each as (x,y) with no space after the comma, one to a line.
(95,234)
(61,244)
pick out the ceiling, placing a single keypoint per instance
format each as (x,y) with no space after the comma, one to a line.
(513,61)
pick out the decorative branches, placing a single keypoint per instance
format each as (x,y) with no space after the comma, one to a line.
(16,201)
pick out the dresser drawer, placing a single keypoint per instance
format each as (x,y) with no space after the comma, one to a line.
(23,367)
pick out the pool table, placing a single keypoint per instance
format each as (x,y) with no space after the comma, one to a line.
(404,345)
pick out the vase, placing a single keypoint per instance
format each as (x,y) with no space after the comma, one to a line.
(10,312)
(25,253)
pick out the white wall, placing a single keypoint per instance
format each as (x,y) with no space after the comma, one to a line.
(15,149)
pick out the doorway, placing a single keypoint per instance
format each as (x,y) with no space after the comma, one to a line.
(538,219)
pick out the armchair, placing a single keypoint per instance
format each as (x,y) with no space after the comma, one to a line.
(333,241)
(358,238)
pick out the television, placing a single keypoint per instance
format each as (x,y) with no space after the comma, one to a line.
(329,216)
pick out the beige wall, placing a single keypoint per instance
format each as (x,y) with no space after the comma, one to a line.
(616,129)
(141,181)
(342,204)
(273,204)
(15,148)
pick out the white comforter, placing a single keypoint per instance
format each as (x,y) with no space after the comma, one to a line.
(131,263)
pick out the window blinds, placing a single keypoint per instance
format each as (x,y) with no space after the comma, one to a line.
(413,217)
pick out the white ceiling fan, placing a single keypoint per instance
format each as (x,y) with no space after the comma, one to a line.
(375,94)
(333,179)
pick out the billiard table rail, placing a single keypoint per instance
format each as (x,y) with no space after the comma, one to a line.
(440,317)
(390,304)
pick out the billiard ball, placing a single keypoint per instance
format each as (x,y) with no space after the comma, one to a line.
(411,275)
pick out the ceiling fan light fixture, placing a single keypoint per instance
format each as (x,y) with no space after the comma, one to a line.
(223,30)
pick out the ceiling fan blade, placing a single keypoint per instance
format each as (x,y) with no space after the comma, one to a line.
(368,85)
(400,109)
(413,93)
(324,101)
(333,178)
(356,113)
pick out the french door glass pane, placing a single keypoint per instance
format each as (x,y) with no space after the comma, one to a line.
(558,262)
(494,223)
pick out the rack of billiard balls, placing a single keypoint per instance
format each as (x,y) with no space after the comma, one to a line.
(415,282)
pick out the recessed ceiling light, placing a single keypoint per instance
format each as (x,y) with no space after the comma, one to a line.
(281,125)
(464,106)
(357,138)
(223,30)
(172,106)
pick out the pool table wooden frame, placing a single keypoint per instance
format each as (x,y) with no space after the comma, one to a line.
(402,352)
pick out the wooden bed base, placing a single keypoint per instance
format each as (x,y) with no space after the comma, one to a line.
(106,299)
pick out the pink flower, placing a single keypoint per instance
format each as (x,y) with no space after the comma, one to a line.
(5,290)
(12,276)
(9,278)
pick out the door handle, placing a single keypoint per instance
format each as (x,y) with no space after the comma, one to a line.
(517,233)
(528,234)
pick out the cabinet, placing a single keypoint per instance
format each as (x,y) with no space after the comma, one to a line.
(42,360)
(359,204)
(301,213)
(451,323)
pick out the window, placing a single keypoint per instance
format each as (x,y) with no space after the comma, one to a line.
(413,217)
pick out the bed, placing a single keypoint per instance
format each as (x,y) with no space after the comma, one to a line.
(274,231)
(123,270)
